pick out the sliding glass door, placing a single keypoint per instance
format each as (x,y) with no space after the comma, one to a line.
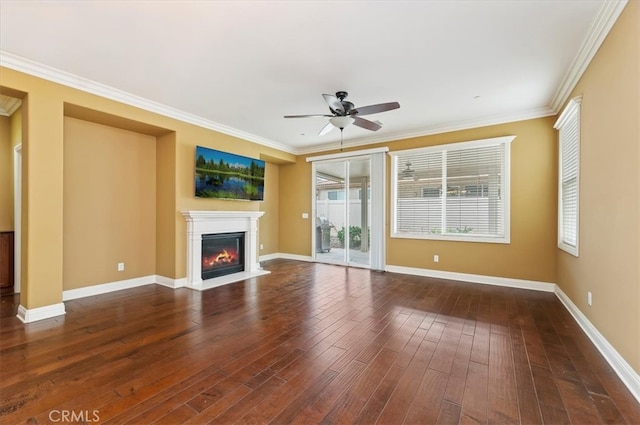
(346,225)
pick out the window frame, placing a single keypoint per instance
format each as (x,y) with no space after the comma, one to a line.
(505,185)
(569,115)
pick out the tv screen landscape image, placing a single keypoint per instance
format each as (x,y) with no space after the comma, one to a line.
(228,176)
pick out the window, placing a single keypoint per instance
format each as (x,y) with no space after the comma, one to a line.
(475,190)
(432,191)
(473,207)
(568,126)
(335,195)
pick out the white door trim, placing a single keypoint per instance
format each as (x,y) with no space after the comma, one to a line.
(17,217)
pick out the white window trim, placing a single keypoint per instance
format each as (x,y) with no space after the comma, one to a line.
(570,111)
(349,154)
(505,183)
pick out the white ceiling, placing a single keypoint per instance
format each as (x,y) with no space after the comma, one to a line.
(8,105)
(239,66)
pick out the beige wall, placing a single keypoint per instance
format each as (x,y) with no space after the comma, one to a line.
(295,199)
(6,175)
(531,253)
(165,206)
(109,204)
(44,107)
(608,264)
(42,201)
(610,191)
(269,222)
(10,136)
(185,198)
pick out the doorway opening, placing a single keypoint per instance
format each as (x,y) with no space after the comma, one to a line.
(348,209)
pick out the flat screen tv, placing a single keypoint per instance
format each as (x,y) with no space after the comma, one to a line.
(228,176)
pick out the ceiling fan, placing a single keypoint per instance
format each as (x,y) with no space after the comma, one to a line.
(344,113)
(408,171)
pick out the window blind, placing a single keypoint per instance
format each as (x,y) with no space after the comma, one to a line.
(569,136)
(568,126)
(455,191)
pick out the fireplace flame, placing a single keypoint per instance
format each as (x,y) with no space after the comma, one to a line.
(223,257)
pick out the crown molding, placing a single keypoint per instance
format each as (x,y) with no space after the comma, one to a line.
(433,130)
(602,24)
(600,27)
(36,69)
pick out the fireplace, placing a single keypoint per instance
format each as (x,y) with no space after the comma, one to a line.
(201,225)
(222,254)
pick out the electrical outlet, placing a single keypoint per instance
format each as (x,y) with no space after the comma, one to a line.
(120,267)
(305,215)
(261,246)
(589,298)
(436,258)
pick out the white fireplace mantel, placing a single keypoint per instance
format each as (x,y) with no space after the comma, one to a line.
(208,222)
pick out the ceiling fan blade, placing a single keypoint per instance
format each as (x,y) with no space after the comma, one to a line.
(307,116)
(366,124)
(374,109)
(334,103)
(327,128)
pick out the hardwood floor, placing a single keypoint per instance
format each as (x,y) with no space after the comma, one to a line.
(309,343)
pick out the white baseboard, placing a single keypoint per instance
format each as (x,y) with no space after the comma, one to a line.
(624,371)
(88,291)
(285,256)
(27,315)
(475,278)
(268,257)
(170,282)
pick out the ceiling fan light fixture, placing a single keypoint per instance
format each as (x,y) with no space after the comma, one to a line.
(341,122)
